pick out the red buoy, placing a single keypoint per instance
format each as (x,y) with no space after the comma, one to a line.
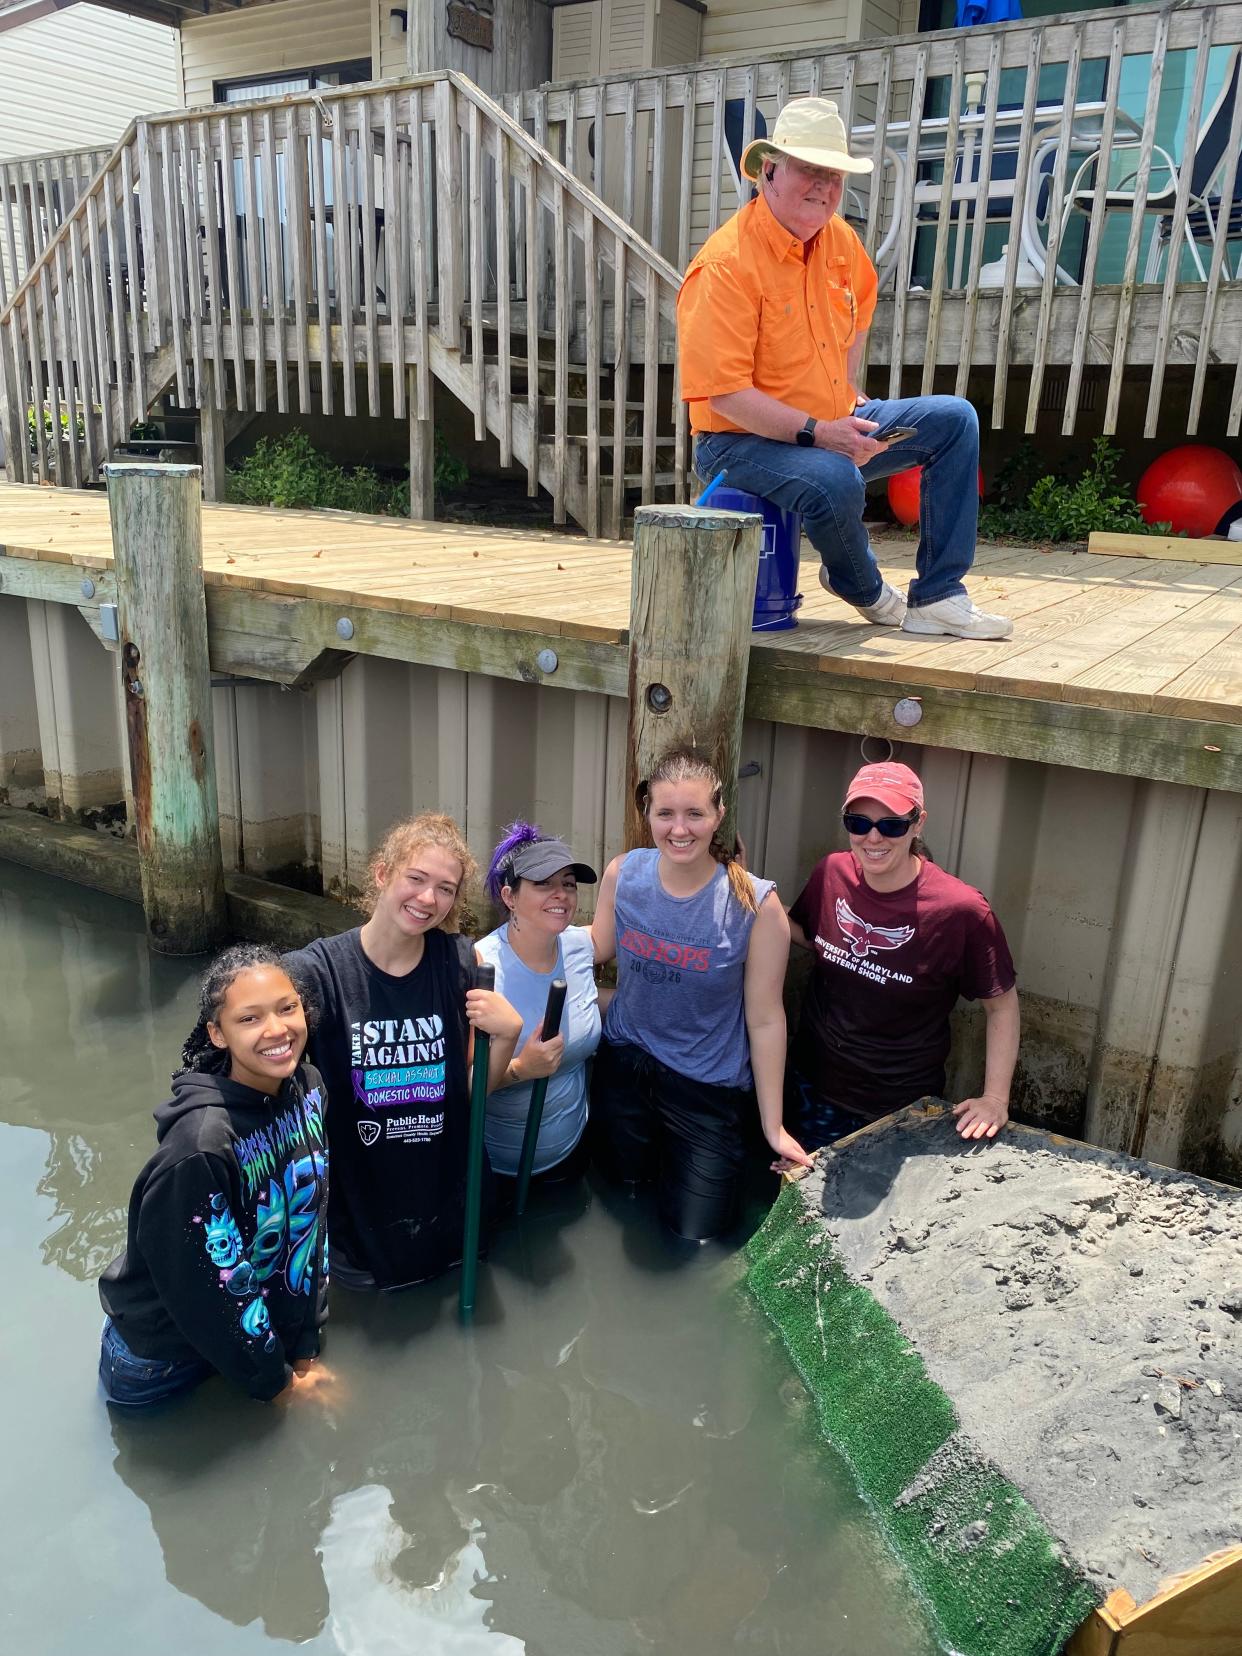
(903,495)
(1192,487)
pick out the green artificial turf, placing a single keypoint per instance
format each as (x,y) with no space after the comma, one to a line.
(992,1576)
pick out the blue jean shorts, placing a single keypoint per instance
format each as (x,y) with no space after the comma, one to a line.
(134,1381)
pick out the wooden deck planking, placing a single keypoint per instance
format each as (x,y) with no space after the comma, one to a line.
(1045,601)
(1134,676)
(1131,616)
(1211,688)
(1099,630)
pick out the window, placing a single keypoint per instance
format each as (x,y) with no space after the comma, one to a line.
(296,80)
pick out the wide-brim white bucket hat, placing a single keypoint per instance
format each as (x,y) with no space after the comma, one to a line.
(811,130)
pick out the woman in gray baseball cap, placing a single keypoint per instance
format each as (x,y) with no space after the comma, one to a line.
(533,880)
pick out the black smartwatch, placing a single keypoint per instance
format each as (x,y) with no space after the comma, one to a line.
(806,437)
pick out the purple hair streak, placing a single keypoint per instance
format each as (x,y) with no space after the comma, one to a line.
(498,871)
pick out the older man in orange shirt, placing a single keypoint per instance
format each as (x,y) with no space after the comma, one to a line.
(772,318)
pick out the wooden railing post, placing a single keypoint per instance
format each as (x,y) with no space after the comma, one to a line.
(211,440)
(157,546)
(448,214)
(692,595)
(422,447)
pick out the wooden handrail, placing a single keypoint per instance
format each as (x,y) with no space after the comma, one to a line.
(174,265)
(30,279)
(554,169)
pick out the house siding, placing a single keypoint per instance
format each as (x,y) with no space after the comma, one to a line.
(75,79)
(390,54)
(679,38)
(743,26)
(268,40)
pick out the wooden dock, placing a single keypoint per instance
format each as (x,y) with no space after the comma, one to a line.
(1129,665)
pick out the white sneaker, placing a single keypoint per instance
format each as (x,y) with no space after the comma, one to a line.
(957,617)
(888,610)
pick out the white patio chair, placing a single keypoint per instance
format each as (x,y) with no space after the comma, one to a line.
(1205,217)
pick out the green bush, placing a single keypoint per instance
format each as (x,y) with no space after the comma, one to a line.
(49,426)
(290,471)
(1053,507)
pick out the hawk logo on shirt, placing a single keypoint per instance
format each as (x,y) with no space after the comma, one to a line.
(866,939)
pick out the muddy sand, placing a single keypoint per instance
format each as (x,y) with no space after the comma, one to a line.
(1082,1310)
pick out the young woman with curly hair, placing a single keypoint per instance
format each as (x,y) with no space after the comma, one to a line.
(394,1043)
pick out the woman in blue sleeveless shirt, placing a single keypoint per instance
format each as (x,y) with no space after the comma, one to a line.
(696,1030)
(533,880)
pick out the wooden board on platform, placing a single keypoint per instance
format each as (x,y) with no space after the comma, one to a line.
(1206,551)
(1126,664)
(1199,1613)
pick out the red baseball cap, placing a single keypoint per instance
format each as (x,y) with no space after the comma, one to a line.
(895,786)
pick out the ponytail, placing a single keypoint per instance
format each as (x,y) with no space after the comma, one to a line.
(740,882)
(500,868)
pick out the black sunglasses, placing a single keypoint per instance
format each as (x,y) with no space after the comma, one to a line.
(890,827)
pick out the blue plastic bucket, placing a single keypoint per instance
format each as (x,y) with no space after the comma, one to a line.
(777,598)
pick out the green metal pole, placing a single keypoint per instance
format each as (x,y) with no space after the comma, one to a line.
(485,978)
(550,1027)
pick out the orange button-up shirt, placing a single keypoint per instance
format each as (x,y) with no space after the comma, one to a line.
(758,309)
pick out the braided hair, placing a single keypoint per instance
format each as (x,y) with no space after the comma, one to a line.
(688,765)
(200,1052)
(500,869)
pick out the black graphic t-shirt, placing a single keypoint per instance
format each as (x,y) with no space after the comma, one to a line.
(226,1245)
(393,1055)
(889,968)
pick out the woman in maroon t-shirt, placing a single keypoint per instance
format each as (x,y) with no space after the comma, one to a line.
(896,942)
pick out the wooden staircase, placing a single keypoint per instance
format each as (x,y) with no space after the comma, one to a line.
(339,252)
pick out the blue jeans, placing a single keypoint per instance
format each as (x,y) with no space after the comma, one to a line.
(137,1381)
(813,1119)
(828,490)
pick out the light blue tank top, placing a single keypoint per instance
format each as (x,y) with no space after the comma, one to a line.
(681,962)
(565,1107)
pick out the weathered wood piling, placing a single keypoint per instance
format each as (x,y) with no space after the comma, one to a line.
(691,599)
(166,681)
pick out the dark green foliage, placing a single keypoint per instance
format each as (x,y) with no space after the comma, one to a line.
(290,471)
(1033,503)
(49,426)
(992,1577)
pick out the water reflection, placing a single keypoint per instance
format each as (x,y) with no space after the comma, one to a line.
(612,1459)
(237,1502)
(83,1007)
(378,1611)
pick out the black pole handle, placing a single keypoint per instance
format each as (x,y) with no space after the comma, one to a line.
(552,1013)
(485,978)
(554,1010)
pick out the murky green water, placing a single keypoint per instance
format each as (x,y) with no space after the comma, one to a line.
(611,1463)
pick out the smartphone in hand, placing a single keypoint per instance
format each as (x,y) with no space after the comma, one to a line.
(895,434)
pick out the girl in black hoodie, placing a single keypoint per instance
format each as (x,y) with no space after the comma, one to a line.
(224,1269)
